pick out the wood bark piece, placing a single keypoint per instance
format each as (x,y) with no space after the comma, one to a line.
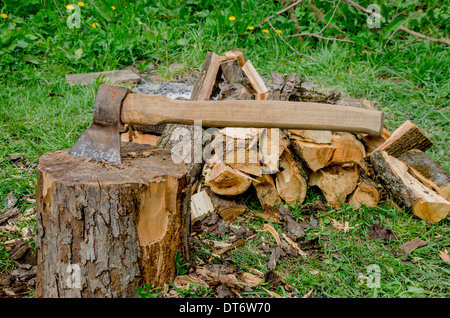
(408,190)
(336,183)
(406,137)
(429,168)
(105,228)
(347,149)
(254,78)
(316,156)
(277,81)
(290,182)
(365,193)
(266,191)
(119,76)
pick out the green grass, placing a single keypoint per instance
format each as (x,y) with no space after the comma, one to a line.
(407,78)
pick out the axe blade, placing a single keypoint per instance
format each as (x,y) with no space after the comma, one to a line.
(101,141)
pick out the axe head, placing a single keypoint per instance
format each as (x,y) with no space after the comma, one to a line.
(101,141)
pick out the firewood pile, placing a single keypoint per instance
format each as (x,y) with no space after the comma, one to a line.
(280,165)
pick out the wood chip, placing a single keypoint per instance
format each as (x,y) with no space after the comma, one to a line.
(444,256)
(272,231)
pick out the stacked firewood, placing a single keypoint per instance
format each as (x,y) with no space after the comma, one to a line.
(281,165)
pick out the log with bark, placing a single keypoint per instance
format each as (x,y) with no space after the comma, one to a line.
(402,182)
(106,228)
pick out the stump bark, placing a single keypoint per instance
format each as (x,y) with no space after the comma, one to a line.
(106,228)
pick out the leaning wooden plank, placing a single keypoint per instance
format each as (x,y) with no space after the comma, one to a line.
(254,78)
(429,168)
(406,137)
(408,190)
(119,76)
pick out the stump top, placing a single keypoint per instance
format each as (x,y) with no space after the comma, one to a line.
(140,163)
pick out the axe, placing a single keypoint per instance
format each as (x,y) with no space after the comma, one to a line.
(116,106)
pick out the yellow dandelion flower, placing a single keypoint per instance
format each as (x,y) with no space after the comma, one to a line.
(279,31)
(81,4)
(70,7)
(268,37)
(95,25)
(265,31)
(251,28)
(3,16)
(232,18)
(113,7)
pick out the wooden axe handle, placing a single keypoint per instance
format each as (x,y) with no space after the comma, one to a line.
(142,109)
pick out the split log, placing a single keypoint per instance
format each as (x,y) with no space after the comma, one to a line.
(371,143)
(429,168)
(290,181)
(336,183)
(408,190)
(232,72)
(254,78)
(366,193)
(105,228)
(224,180)
(406,137)
(347,149)
(201,206)
(266,191)
(316,156)
(204,86)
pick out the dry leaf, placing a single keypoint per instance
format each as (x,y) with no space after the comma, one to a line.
(444,256)
(308,294)
(345,227)
(251,280)
(271,293)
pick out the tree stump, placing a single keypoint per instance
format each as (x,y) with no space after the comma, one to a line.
(105,228)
